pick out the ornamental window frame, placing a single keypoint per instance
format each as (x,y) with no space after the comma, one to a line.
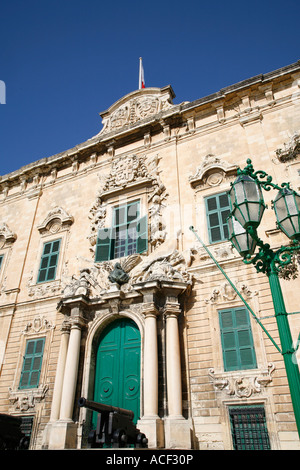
(108,233)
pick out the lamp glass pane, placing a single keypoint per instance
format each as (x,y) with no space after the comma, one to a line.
(280,208)
(254,212)
(239,192)
(295,222)
(252,192)
(291,205)
(287,227)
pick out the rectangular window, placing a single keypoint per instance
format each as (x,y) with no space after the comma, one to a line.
(217,211)
(237,340)
(128,235)
(32,363)
(26,425)
(248,428)
(48,266)
(1,260)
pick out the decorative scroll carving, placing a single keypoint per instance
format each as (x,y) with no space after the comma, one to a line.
(38,325)
(26,400)
(136,106)
(212,171)
(7,237)
(227,293)
(290,150)
(170,266)
(56,219)
(96,281)
(242,386)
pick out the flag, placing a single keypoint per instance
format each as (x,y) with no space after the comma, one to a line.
(141,75)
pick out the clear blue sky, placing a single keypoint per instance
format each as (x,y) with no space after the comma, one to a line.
(65,61)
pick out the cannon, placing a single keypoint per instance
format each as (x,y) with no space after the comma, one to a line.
(115,427)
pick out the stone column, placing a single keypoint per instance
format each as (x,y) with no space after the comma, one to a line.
(64,431)
(177,429)
(150,423)
(174,389)
(150,362)
(59,377)
(71,372)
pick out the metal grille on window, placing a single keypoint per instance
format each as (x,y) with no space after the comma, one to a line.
(249,429)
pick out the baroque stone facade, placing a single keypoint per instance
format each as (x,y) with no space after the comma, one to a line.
(142,181)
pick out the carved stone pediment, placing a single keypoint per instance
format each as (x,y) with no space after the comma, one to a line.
(7,237)
(212,171)
(56,219)
(135,107)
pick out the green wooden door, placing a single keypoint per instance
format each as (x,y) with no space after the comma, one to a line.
(117,375)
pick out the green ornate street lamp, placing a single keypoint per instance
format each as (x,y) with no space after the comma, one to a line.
(247,206)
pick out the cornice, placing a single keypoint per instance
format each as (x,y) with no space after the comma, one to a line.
(168,116)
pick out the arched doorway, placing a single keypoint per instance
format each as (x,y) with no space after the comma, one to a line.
(117,372)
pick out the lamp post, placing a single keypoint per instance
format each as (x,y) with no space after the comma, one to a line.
(248,206)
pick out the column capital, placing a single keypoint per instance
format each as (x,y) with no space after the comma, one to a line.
(77,321)
(65,327)
(149,309)
(172,309)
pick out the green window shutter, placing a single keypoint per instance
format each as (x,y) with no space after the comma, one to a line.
(32,363)
(217,211)
(104,245)
(128,235)
(48,266)
(142,235)
(236,338)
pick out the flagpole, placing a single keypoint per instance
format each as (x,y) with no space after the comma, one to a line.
(141,75)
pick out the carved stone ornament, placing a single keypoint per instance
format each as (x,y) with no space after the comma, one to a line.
(56,219)
(7,237)
(242,386)
(127,172)
(135,107)
(226,293)
(290,150)
(212,171)
(97,280)
(26,400)
(38,325)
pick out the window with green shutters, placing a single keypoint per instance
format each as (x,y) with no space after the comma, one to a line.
(237,340)
(217,211)
(32,363)
(128,235)
(49,260)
